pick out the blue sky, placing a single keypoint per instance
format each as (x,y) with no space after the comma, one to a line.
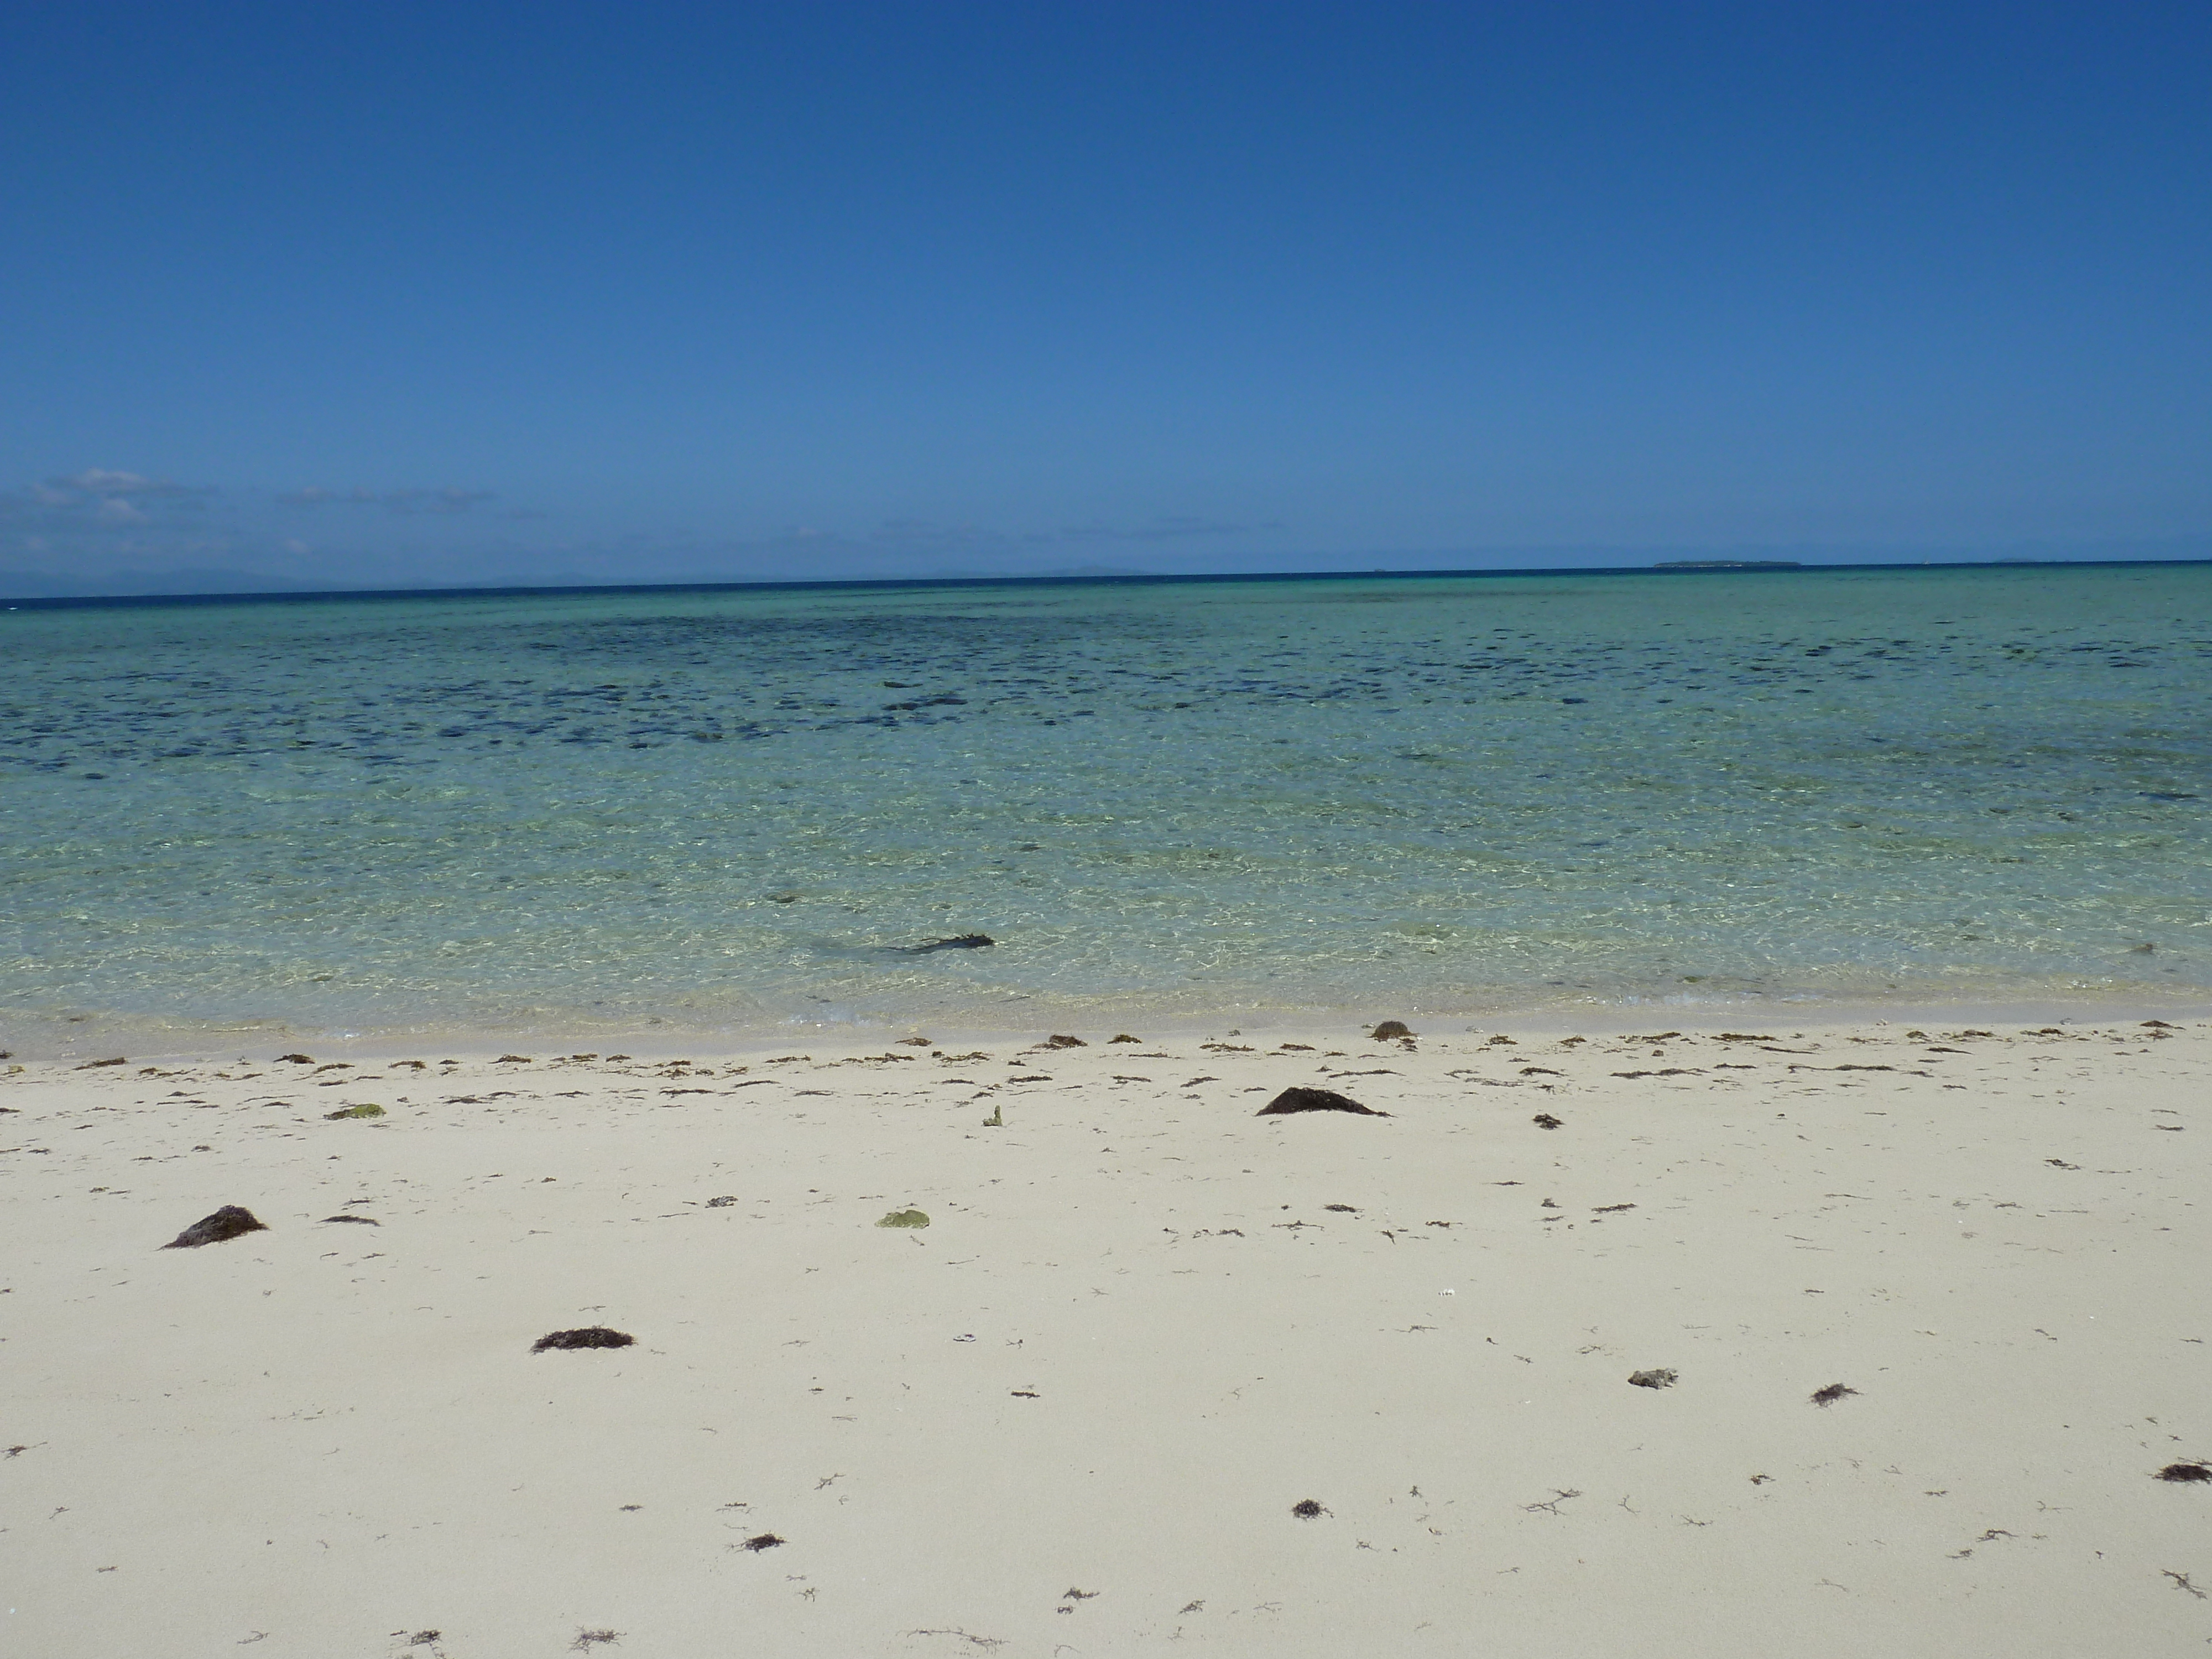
(412,293)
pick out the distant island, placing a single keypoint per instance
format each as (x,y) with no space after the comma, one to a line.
(1729,564)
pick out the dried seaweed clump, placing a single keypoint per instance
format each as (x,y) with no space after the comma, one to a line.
(1315,1100)
(590,1336)
(363,1110)
(905,1218)
(1307,1509)
(2193,1470)
(1832,1393)
(1545,1120)
(766,1541)
(1661,1378)
(232,1221)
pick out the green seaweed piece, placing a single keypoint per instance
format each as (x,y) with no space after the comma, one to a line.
(905,1218)
(354,1111)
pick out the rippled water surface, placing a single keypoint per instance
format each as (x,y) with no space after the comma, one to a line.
(727,808)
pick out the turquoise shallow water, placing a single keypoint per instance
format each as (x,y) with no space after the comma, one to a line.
(722,809)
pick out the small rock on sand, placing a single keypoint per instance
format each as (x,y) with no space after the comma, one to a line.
(590,1336)
(1315,1100)
(232,1221)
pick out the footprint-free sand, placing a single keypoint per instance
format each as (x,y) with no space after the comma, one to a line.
(1084,1409)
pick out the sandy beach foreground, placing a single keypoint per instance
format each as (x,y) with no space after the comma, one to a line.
(1081,1411)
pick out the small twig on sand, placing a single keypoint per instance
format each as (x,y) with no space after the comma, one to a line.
(980,1641)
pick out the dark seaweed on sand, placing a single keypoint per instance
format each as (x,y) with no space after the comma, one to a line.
(590,1336)
(357,1220)
(767,1540)
(232,1221)
(2190,1471)
(1832,1393)
(1315,1100)
(1545,1120)
(1307,1509)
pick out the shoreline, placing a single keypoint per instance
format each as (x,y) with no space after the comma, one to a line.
(82,1036)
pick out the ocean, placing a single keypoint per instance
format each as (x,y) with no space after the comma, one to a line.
(735,811)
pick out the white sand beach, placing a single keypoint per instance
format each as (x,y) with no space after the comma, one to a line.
(1076,1411)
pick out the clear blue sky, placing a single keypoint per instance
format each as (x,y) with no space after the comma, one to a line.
(399,291)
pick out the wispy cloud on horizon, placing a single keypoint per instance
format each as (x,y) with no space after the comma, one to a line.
(1164,530)
(450,499)
(100,500)
(921,532)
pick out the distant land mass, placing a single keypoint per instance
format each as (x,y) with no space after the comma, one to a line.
(1730,564)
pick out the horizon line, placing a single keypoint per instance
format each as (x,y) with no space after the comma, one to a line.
(1677,568)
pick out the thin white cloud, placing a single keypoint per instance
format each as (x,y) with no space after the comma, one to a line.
(99,497)
(1161,530)
(448,499)
(921,532)
(100,484)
